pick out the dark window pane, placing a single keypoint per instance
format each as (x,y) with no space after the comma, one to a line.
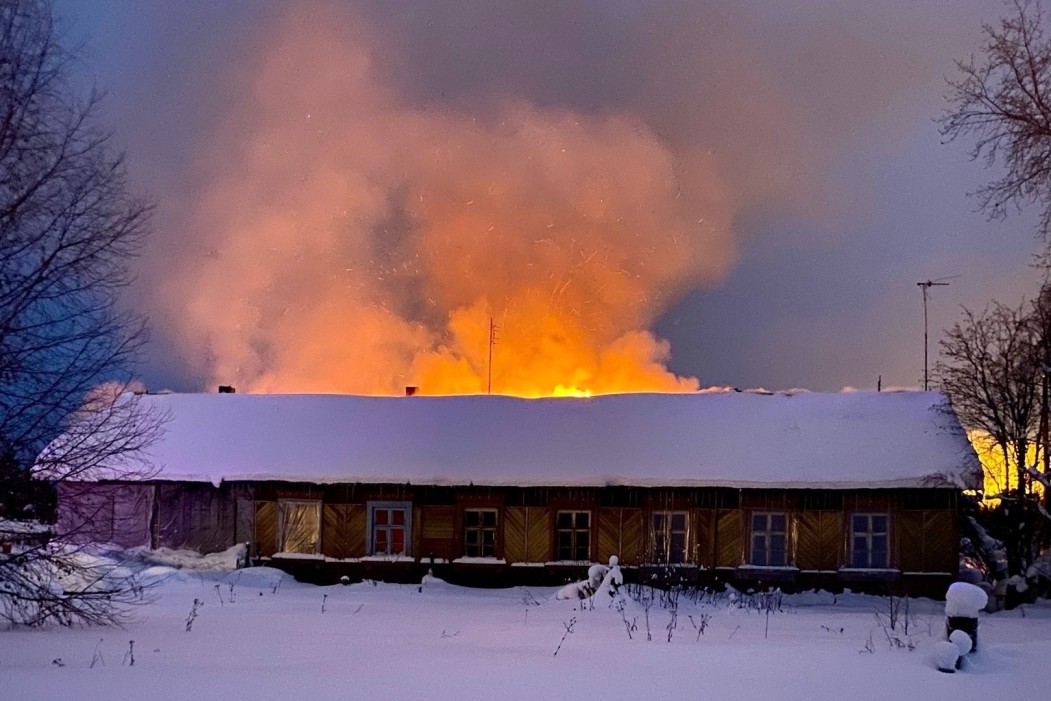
(658,522)
(582,519)
(861,524)
(879,524)
(398,517)
(379,517)
(397,537)
(489,519)
(879,542)
(678,522)
(777,523)
(677,551)
(470,518)
(777,558)
(759,522)
(565,519)
(859,560)
(380,542)
(488,537)
(777,542)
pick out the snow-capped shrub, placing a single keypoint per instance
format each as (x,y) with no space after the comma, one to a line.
(964,600)
(961,640)
(946,655)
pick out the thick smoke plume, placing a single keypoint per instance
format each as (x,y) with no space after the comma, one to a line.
(352,241)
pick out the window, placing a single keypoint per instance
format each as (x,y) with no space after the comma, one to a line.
(669,536)
(769,531)
(299,526)
(390,527)
(868,538)
(573,535)
(479,532)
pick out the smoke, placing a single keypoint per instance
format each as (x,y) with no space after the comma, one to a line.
(349,240)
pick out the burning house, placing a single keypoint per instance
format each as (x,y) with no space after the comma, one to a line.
(851,489)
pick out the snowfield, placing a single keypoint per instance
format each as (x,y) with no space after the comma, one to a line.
(261,635)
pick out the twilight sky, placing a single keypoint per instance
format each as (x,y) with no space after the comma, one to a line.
(736,192)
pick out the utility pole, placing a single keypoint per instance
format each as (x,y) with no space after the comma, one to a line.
(492,341)
(926,286)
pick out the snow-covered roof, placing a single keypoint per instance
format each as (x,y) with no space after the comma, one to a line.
(807,440)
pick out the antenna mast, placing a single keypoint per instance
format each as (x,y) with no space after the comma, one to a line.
(492,341)
(926,286)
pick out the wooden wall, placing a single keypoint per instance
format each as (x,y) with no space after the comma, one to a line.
(924,525)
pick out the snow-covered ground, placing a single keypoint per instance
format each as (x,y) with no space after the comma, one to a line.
(261,635)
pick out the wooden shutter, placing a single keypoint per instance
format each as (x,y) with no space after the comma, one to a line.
(356,526)
(527,534)
(703,525)
(266,528)
(619,532)
(729,539)
(334,530)
(819,540)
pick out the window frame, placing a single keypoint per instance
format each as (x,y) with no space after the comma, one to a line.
(371,525)
(481,529)
(661,539)
(869,534)
(574,531)
(282,516)
(768,533)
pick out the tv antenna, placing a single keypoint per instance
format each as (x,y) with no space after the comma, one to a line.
(926,285)
(493,328)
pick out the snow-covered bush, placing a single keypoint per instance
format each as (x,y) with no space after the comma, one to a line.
(964,600)
(946,654)
(961,640)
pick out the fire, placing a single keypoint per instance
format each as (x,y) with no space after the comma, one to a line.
(1000,477)
(560,391)
(349,241)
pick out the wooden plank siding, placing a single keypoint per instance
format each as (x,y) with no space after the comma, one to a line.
(528,535)
(926,541)
(335,530)
(438,533)
(619,532)
(266,528)
(729,539)
(819,540)
(196,516)
(923,524)
(702,524)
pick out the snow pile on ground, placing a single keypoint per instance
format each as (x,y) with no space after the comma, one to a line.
(257,634)
(225,561)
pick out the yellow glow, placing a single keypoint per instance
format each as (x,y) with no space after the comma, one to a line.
(562,391)
(997,478)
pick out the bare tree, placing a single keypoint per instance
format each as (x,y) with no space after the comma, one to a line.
(68,231)
(1002,99)
(992,371)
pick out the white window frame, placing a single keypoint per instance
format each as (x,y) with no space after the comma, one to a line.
(370,534)
(767,534)
(868,535)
